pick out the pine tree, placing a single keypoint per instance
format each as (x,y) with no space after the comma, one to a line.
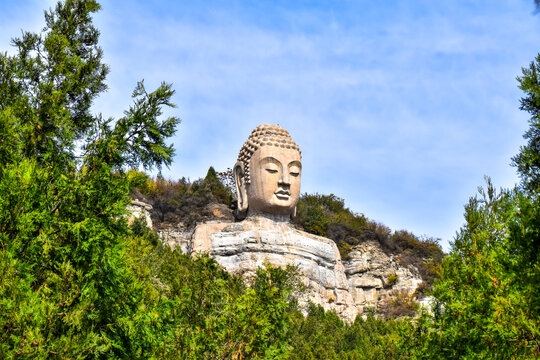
(528,159)
(75,280)
(488,294)
(65,288)
(487,297)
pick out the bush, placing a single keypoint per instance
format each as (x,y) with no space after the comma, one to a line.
(487,297)
(400,305)
(181,201)
(200,311)
(344,250)
(322,335)
(392,279)
(326,215)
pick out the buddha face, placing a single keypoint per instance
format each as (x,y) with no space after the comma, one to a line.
(275,180)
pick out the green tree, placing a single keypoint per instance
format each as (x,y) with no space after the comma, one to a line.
(528,159)
(66,289)
(203,312)
(216,187)
(75,280)
(323,335)
(487,297)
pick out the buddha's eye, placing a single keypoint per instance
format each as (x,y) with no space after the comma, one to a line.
(294,171)
(271,171)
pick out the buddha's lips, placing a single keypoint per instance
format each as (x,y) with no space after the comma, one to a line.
(282,194)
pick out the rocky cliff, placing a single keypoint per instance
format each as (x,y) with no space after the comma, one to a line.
(368,281)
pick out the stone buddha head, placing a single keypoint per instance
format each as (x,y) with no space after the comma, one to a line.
(267,173)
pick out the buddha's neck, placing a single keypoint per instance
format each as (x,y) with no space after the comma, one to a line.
(255,215)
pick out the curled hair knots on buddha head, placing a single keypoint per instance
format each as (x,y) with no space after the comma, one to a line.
(264,135)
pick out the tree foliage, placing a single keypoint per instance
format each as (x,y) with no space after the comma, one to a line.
(528,159)
(203,312)
(65,289)
(487,297)
(323,335)
(77,282)
(326,215)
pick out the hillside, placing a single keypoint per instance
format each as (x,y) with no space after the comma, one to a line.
(389,272)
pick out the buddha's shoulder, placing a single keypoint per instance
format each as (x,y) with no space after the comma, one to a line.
(216,226)
(205,230)
(212,227)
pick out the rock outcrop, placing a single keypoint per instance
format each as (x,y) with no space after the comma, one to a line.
(244,246)
(374,277)
(358,285)
(368,279)
(139,209)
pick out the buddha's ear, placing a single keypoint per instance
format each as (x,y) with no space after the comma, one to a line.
(293,214)
(241,190)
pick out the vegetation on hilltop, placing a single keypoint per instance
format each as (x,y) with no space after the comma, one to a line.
(326,215)
(180,201)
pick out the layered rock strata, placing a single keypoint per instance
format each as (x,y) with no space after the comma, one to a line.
(243,247)
(375,277)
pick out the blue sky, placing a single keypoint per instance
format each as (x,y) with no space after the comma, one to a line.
(399,107)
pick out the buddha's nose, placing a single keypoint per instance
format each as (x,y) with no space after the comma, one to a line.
(284,178)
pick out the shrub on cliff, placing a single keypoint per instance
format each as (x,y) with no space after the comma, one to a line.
(326,215)
(181,201)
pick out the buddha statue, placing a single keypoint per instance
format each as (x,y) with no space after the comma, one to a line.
(267,173)
(267,177)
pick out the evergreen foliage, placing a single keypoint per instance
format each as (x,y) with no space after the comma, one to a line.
(528,159)
(487,297)
(326,215)
(217,188)
(323,335)
(65,289)
(487,300)
(202,312)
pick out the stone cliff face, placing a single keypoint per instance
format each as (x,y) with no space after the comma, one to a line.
(375,278)
(355,286)
(243,247)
